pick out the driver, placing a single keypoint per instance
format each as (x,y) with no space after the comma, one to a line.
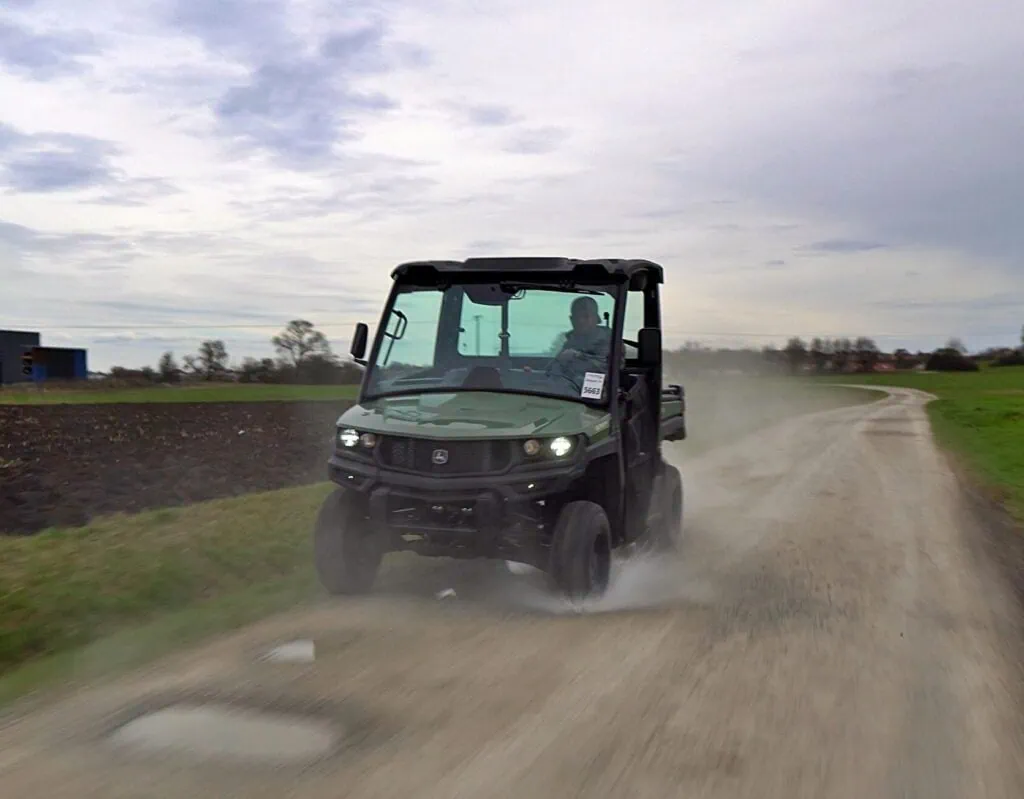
(587,345)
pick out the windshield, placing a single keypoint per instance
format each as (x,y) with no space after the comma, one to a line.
(502,336)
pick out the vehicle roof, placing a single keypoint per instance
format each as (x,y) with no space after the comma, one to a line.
(538,267)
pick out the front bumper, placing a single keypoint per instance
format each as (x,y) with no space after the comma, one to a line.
(496,516)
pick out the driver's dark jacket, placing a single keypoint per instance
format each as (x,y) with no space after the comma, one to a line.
(593,347)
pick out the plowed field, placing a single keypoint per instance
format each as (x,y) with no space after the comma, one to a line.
(62,465)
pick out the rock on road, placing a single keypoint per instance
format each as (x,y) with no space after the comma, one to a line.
(830,632)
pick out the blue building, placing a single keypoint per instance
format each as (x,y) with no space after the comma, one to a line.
(23,359)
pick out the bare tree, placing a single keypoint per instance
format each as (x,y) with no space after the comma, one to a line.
(818,354)
(168,368)
(956,344)
(796,354)
(191,365)
(867,353)
(213,358)
(842,349)
(300,340)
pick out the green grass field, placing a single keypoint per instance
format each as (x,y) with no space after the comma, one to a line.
(65,588)
(979,417)
(213,392)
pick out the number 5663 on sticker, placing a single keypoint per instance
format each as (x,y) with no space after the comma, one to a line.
(593,386)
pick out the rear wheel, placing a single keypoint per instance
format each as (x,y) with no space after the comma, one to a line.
(668,532)
(581,550)
(347,554)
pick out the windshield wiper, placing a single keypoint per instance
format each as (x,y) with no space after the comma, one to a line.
(565,288)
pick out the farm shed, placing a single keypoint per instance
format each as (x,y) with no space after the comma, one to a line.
(42,363)
(13,344)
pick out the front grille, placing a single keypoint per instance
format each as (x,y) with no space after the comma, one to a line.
(426,514)
(445,457)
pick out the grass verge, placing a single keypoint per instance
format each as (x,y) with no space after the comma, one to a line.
(138,644)
(979,417)
(64,589)
(215,392)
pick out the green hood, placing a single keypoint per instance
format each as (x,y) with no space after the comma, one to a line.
(474,414)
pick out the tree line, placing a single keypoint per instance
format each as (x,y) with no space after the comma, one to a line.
(839,355)
(304,356)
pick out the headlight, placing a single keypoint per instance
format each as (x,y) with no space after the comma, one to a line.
(350,439)
(561,446)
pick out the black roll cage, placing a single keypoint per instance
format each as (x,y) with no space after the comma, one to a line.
(622,275)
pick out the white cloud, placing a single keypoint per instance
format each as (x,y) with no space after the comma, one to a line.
(757,149)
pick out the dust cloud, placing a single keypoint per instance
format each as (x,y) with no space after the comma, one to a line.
(738,479)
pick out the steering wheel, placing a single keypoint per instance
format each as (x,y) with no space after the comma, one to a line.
(555,360)
(547,369)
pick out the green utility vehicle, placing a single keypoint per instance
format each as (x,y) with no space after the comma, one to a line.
(512,409)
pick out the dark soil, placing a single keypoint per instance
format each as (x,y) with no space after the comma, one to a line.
(61,465)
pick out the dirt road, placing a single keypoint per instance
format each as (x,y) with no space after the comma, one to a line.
(830,632)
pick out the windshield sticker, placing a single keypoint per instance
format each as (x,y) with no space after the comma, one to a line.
(593,386)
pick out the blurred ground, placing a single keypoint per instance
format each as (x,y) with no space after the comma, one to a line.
(832,630)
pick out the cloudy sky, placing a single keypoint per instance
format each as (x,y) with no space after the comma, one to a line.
(178,169)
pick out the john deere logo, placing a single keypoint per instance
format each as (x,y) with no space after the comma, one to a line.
(440,457)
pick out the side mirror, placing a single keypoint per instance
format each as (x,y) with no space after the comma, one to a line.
(649,346)
(359,339)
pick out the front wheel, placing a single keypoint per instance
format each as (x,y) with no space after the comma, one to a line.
(581,550)
(347,555)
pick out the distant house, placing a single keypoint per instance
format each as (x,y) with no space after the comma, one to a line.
(885,362)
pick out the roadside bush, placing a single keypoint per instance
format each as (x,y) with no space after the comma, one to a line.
(949,360)
(1011,359)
